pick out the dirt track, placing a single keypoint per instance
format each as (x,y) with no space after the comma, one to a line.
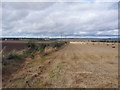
(74,66)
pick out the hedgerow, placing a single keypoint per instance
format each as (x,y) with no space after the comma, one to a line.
(32,48)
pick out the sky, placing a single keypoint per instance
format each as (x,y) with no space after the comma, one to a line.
(90,19)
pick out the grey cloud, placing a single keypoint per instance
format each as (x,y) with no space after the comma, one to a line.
(26,5)
(52,19)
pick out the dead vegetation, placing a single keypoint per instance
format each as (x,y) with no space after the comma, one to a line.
(76,65)
(14,60)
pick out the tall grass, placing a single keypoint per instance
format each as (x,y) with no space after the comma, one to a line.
(33,48)
(13,61)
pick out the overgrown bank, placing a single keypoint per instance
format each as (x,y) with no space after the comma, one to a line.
(12,61)
(32,49)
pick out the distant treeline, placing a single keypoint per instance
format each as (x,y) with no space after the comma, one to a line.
(112,41)
(28,39)
(64,39)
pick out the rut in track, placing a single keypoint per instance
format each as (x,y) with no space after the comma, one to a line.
(74,66)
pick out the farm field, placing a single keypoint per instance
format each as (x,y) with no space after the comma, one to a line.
(60,44)
(10,45)
(76,65)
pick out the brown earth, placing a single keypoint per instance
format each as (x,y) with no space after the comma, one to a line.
(8,46)
(77,65)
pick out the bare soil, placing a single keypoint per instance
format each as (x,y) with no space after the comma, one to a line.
(76,65)
(10,45)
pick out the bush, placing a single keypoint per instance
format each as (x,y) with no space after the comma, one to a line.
(33,48)
(31,45)
(42,47)
(14,55)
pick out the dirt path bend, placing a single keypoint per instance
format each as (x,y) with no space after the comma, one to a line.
(75,66)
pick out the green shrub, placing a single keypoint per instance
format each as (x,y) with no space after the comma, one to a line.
(33,48)
(31,45)
(14,55)
(42,47)
(26,53)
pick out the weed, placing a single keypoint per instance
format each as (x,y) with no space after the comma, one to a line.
(43,58)
(32,49)
(56,72)
(14,55)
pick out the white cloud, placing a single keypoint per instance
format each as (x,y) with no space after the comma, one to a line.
(52,19)
(109,32)
(60,1)
(106,0)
